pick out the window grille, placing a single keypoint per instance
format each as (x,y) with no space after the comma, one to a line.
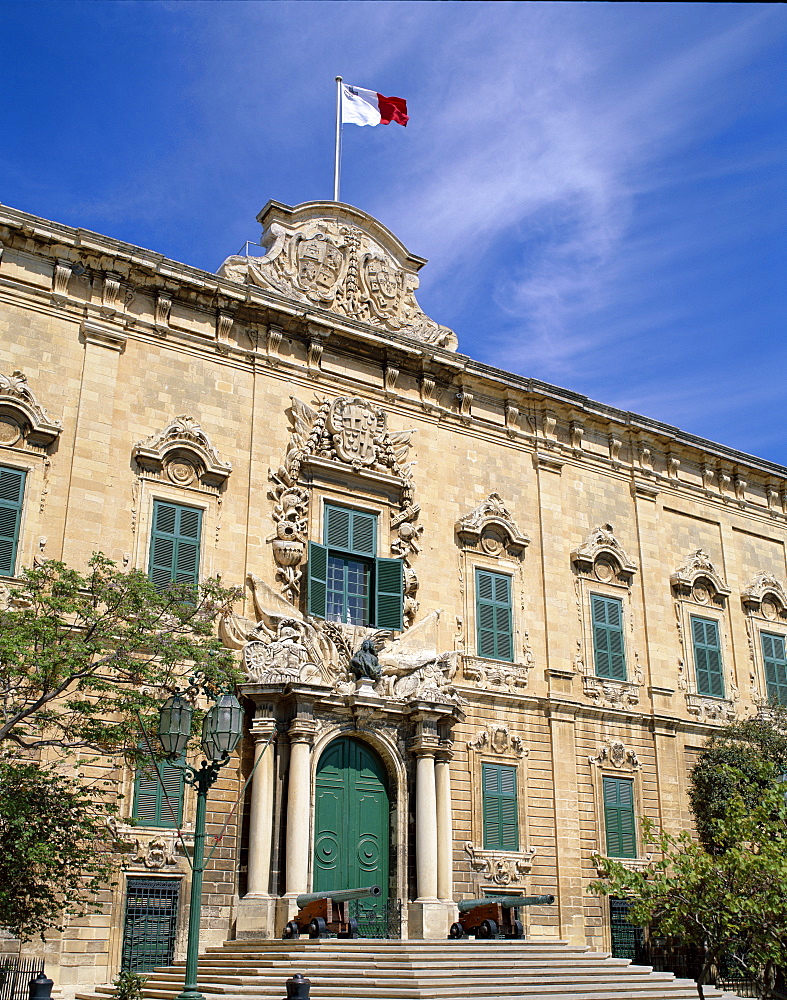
(151,923)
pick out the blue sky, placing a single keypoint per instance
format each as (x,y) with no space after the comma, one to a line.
(600,188)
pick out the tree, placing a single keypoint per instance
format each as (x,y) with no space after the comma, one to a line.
(726,895)
(54,848)
(84,656)
(85,659)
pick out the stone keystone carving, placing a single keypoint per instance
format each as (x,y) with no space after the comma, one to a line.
(698,566)
(183,451)
(338,258)
(492,525)
(22,414)
(602,546)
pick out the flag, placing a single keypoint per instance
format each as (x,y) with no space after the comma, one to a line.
(367,107)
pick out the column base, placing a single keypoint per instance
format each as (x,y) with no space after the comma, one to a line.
(256,916)
(430,918)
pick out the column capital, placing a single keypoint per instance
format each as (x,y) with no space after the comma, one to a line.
(262,729)
(424,746)
(301,731)
(445,752)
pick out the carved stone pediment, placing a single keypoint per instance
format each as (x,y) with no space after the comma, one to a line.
(338,258)
(21,415)
(694,576)
(602,555)
(183,453)
(491,527)
(765,595)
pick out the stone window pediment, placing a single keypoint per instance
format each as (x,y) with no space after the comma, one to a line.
(699,580)
(602,556)
(183,453)
(491,528)
(22,418)
(765,596)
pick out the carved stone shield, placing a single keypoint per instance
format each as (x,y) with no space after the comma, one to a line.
(383,285)
(320,264)
(355,428)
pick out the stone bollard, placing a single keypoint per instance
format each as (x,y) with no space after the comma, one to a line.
(298,988)
(41,987)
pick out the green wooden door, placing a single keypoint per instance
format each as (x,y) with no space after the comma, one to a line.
(351,826)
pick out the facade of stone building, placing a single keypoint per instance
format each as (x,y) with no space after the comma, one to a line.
(488,623)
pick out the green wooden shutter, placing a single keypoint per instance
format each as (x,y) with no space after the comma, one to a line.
(350,531)
(619,817)
(151,807)
(12,490)
(389,593)
(773,654)
(608,646)
(500,813)
(707,657)
(494,619)
(317,589)
(174,546)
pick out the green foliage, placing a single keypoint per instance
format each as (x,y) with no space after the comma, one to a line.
(82,653)
(128,985)
(54,847)
(731,905)
(742,759)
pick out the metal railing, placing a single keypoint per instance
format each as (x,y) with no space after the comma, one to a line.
(15,976)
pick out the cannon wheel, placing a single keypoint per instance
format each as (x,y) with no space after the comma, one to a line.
(291,930)
(352,928)
(317,927)
(487,929)
(456,931)
(519,930)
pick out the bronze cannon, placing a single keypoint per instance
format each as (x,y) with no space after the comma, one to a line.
(494,916)
(324,913)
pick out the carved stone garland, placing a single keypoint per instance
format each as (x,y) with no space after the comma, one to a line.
(351,431)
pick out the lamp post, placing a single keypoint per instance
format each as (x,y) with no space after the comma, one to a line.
(221,731)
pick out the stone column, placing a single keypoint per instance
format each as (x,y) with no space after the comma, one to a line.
(301,735)
(426,827)
(261,813)
(445,831)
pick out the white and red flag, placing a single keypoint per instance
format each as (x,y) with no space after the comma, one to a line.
(367,107)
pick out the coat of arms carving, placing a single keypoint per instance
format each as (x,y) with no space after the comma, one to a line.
(356,430)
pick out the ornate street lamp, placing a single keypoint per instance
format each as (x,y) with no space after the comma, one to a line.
(221,730)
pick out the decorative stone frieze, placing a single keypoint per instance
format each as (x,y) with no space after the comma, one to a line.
(491,529)
(183,453)
(501,868)
(22,418)
(338,258)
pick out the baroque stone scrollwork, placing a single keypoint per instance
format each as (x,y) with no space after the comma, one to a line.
(183,453)
(491,527)
(283,646)
(340,259)
(502,869)
(615,753)
(499,739)
(610,694)
(602,555)
(353,432)
(22,418)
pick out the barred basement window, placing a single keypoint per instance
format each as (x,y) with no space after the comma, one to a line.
(773,654)
(347,581)
(608,647)
(12,490)
(150,924)
(494,622)
(707,657)
(174,544)
(501,814)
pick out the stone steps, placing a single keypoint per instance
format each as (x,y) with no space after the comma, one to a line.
(418,970)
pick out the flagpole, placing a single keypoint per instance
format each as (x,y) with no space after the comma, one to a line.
(338,157)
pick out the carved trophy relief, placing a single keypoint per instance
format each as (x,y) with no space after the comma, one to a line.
(357,269)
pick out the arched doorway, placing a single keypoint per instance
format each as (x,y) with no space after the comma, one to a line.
(351,824)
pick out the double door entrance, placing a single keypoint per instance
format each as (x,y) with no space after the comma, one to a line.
(352,827)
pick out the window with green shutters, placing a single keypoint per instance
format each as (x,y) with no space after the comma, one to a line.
(493,615)
(773,654)
(608,646)
(151,806)
(348,582)
(174,544)
(707,657)
(619,817)
(501,814)
(12,491)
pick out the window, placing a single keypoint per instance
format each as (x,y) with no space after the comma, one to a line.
(494,628)
(348,582)
(151,806)
(150,925)
(501,826)
(619,817)
(608,648)
(707,657)
(12,488)
(773,654)
(174,544)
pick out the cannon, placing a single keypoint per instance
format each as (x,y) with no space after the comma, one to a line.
(324,913)
(494,916)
